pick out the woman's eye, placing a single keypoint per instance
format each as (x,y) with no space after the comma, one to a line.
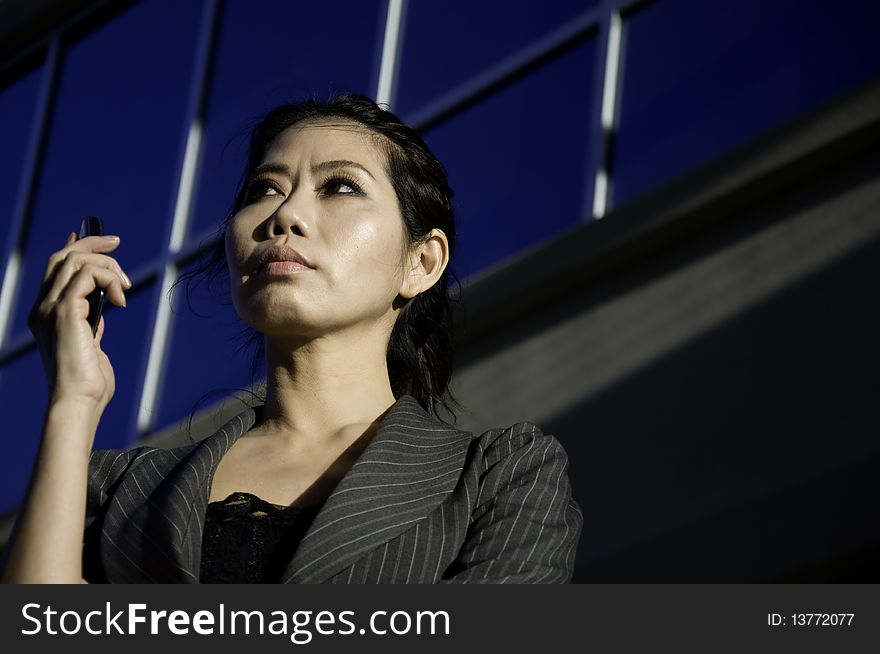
(341,186)
(261,188)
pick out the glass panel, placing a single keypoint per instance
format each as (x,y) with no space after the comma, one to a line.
(126,339)
(18,105)
(447,43)
(702,77)
(24,390)
(273,52)
(115,139)
(204,357)
(518,169)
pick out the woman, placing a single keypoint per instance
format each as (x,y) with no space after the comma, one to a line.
(337,249)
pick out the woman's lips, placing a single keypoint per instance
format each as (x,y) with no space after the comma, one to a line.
(283,268)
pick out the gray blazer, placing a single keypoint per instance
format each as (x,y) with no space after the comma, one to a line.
(424,503)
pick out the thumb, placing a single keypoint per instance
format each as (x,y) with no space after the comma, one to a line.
(70,238)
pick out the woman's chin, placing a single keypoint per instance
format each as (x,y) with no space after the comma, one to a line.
(286,329)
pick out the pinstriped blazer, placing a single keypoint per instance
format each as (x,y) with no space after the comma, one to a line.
(423,503)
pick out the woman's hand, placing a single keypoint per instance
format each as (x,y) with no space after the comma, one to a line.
(76,367)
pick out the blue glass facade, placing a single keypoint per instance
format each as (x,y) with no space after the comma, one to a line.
(516,178)
(448,43)
(272,52)
(701,78)
(23,384)
(18,106)
(113,137)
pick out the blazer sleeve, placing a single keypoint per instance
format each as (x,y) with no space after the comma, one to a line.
(106,469)
(526,525)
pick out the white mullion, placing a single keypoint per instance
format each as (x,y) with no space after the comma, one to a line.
(161,337)
(159,345)
(390,52)
(186,189)
(11,277)
(610,85)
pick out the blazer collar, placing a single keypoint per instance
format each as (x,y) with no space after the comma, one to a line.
(412,463)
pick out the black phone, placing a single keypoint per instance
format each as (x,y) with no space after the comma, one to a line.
(92,226)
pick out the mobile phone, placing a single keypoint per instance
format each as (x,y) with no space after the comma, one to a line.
(92,226)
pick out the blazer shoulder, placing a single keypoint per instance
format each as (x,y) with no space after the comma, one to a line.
(517,439)
(109,465)
(525,525)
(525,447)
(107,468)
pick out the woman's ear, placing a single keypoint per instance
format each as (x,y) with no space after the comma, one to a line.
(426,264)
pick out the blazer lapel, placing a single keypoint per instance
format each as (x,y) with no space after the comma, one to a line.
(168,525)
(412,463)
(197,470)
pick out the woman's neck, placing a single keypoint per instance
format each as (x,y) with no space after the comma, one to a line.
(322,388)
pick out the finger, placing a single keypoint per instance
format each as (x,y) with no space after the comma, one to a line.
(86,280)
(87,244)
(78,259)
(74,262)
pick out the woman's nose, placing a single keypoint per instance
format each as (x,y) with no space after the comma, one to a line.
(288,219)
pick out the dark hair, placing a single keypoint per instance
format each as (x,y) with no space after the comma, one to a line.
(420,348)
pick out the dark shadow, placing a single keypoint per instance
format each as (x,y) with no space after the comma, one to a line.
(750,454)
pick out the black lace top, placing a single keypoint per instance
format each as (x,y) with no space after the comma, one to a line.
(248,540)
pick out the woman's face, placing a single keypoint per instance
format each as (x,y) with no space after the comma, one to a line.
(322,190)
